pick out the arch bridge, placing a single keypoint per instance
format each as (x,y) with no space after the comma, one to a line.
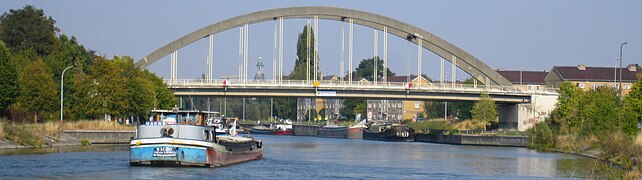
(500,89)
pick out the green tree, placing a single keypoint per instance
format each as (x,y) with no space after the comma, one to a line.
(485,111)
(598,111)
(351,107)
(300,67)
(38,92)
(285,108)
(566,111)
(104,89)
(28,29)
(366,69)
(633,108)
(434,109)
(165,98)
(8,78)
(140,91)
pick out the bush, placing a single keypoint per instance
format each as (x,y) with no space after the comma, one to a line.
(541,137)
(85,142)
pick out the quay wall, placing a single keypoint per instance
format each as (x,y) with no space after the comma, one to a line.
(102,136)
(479,140)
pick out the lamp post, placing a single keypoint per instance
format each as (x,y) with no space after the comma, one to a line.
(615,73)
(520,78)
(62,80)
(621,46)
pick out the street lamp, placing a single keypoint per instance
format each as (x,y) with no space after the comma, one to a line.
(62,92)
(615,73)
(622,45)
(520,78)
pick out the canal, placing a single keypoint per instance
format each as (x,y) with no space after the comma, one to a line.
(295,157)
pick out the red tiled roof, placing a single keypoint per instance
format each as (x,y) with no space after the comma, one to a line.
(595,73)
(528,77)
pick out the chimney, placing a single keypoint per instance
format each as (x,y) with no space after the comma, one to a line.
(633,67)
(581,67)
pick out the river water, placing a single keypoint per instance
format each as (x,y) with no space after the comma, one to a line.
(295,157)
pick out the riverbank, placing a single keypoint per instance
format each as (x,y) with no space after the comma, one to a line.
(614,148)
(474,139)
(52,134)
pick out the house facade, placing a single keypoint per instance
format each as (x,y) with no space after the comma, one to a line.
(588,78)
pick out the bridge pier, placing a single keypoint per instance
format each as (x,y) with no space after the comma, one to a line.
(521,117)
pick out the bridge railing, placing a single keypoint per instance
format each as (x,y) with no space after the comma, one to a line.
(269,84)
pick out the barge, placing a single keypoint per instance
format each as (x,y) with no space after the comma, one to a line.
(389,132)
(180,138)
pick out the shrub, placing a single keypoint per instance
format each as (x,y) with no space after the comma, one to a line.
(541,137)
(85,142)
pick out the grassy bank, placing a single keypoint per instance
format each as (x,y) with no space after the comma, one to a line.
(613,147)
(33,134)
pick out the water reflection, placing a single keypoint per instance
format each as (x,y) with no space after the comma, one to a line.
(314,158)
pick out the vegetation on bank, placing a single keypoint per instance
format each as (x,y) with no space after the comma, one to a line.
(33,134)
(33,56)
(484,114)
(596,123)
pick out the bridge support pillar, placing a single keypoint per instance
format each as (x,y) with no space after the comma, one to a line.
(521,117)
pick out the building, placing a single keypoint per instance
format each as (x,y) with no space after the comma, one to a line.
(304,106)
(587,78)
(525,80)
(398,110)
(330,78)
(333,108)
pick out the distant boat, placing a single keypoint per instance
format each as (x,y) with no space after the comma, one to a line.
(388,132)
(184,138)
(356,131)
(273,129)
(332,130)
(283,129)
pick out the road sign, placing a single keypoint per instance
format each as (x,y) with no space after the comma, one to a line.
(326,93)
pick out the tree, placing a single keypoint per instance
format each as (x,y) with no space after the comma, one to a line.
(28,29)
(366,69)
(322,113)
(566,108)
(140,91)
(37,89)
(300,65)
(598,112)
(8,78)
(285,108)
(165,98)
(351,107)
(633,108)
(485,111)
(104,89)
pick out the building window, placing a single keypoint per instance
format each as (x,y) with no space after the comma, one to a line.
(416,104)
(593,86)
(581,86)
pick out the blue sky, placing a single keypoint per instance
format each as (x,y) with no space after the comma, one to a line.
(534,35)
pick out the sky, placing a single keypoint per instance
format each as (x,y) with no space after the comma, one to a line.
(509,35)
